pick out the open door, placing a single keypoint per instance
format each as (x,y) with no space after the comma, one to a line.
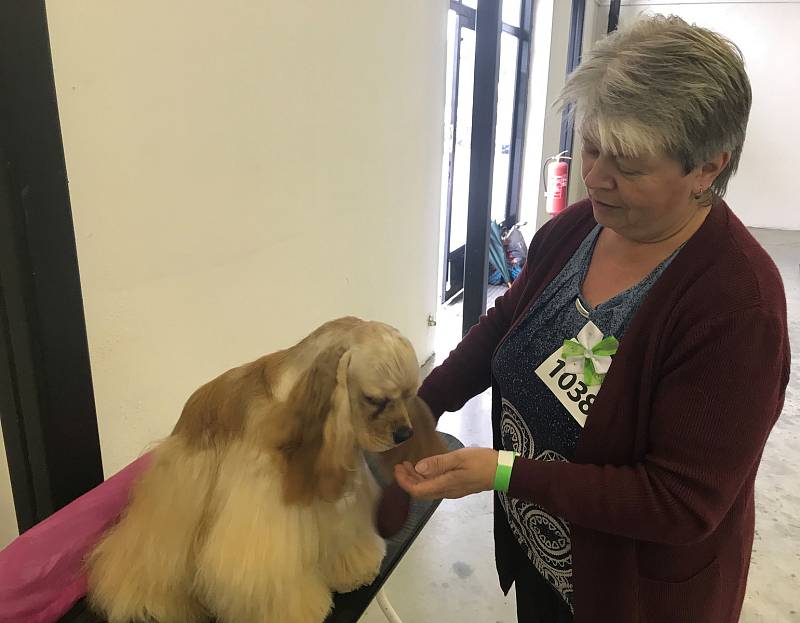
(500,64)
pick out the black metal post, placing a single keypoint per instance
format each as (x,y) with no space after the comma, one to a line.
(456,68)
(466,13)
(46,398)
(613,15)
(484,118)
(573,60)
(519,123)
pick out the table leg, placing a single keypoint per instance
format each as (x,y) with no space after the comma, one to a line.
(386,607)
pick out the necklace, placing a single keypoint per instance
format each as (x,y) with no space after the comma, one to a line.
(581,309)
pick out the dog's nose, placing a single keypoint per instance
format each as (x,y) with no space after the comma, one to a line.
(404,433)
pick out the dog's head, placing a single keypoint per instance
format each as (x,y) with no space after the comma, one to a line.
(353,388)
(357,394)
(383,376)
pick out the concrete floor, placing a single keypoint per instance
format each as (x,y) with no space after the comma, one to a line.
(448,574)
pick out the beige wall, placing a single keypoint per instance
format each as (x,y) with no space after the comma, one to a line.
(241,172)
(8,518)
(548,75)
(548,72)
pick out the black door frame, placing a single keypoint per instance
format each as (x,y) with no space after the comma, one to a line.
(47,407)
(488,26)
(487,23)
(574,51)
(452,261)
(574,58)
(519,124)
(613,15)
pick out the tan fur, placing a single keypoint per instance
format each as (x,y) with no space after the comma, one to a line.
(260,502)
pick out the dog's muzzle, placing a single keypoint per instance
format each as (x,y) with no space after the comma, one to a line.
(404,433)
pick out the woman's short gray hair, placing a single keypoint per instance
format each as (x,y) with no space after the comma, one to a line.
(661,85)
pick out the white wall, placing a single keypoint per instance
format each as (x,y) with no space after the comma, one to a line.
(241,172)
(8,517)
(548,71)
(594,27)
(762,192)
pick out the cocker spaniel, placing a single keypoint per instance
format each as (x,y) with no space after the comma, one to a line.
(260,503)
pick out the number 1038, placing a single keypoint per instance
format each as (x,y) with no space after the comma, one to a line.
(575,390)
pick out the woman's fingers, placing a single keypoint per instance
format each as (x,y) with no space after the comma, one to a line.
(416,484)
(439,464)
(452,475)
(406,475)
(433,489)
(445,485)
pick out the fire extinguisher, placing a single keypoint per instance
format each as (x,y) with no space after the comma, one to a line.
(556,176)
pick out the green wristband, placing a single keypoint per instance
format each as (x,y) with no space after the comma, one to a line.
(502,477)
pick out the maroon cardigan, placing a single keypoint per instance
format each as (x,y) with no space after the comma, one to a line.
(660,494)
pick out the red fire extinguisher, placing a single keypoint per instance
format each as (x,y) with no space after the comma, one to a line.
(556,176)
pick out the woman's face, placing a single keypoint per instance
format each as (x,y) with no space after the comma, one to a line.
(643,199)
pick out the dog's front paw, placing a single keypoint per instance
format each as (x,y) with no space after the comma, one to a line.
(309,603)
(357,566)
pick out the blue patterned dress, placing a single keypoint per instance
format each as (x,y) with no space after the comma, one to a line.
(533,421)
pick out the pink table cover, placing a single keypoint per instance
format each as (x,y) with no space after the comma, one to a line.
(41,571)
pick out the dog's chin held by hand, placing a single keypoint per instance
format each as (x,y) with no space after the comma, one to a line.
(395,503)
(423,441)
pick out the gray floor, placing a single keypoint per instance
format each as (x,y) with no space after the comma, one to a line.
(772,593)
(449,572)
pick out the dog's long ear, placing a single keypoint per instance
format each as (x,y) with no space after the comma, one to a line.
(320,440)
(338,456)
(425,441)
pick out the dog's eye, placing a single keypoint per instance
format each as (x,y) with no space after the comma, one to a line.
(379,404)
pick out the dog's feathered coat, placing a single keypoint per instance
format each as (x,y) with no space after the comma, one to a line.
(260,503)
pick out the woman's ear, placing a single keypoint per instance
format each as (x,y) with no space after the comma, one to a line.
(318,429)
(710,170)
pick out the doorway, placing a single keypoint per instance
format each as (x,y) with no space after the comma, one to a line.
(508,58)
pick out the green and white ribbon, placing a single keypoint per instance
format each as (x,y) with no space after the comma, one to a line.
(589,354)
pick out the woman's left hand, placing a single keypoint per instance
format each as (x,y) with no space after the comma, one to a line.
(451,475)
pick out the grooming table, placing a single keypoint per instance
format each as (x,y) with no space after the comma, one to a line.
(347,607)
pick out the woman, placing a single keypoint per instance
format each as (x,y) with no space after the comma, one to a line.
(639,362)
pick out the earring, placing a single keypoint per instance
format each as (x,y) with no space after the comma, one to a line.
(699,193)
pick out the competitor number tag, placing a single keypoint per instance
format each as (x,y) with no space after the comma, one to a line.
(568,387)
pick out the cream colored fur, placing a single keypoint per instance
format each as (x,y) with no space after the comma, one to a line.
(260,503)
